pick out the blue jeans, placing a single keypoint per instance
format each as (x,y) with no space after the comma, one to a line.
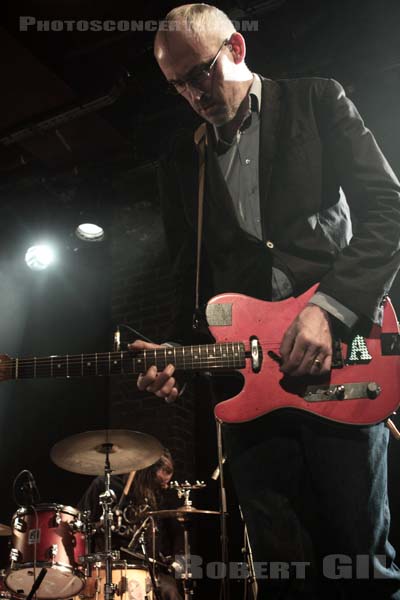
(314,498)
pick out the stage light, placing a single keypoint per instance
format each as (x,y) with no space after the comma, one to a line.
(90,232)
(39,257)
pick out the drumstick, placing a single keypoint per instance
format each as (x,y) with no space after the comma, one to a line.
(126,489)
(129,483)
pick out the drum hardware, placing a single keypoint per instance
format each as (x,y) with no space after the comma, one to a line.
(120,527)
(184,489)
(57,517)
(19,525)
(141,557)
(14,555)
(98,557)
(78,525)
(134,514)
(106,500)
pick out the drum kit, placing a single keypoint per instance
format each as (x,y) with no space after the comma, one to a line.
(50,547)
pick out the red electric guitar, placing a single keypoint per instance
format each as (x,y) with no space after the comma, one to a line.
(362,388)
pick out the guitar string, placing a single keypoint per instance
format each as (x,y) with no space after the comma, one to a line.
(266,344)
(126,356)
(105,357)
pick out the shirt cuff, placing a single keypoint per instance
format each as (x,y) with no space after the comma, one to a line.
(335,308)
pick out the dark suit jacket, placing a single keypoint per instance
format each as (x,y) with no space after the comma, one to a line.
(313,144)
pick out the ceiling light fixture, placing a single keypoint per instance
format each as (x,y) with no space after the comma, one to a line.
(90,232)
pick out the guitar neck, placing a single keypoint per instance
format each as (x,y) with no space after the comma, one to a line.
(229,355)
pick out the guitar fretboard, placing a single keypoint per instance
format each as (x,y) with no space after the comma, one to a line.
(230,355)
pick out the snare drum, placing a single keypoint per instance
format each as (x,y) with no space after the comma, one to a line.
(47,536)
(132,582)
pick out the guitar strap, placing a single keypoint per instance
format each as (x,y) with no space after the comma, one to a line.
(200,139)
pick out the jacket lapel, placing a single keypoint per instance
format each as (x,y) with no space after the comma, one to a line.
(271,109)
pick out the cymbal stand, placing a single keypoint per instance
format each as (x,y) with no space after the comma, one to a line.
(107,499)
(186,575)
(184,490)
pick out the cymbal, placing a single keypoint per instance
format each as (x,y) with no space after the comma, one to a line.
(85,452)
(5,529)
(182,513)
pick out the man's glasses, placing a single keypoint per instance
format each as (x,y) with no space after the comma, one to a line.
(198,77)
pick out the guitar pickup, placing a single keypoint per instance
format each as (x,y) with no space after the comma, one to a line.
(255,354)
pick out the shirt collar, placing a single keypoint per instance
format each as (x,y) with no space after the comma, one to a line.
(254,103)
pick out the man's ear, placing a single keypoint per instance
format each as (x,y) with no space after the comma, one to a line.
(237,46)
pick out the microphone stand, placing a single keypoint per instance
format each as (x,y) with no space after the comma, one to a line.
(138,536)
(37,583)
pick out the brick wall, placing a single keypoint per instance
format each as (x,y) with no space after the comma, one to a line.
(142,297)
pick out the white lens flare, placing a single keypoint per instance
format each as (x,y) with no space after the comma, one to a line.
(39,257)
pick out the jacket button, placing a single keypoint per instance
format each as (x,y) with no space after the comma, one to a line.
(269,244)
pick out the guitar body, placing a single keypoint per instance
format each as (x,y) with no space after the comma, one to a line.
(239,317)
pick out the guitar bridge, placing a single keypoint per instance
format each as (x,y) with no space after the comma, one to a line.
(340,392)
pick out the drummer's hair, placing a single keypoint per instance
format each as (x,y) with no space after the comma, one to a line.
(146,488)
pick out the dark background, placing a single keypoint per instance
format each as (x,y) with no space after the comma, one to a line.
(64,161)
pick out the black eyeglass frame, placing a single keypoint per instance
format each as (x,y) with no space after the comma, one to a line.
(198,78)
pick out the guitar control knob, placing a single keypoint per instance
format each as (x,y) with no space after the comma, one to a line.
(373,390)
